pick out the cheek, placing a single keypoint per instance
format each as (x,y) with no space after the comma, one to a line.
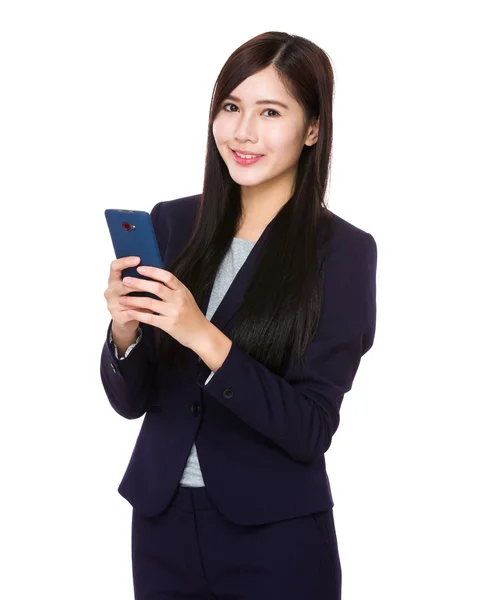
(220,130)
(283,144)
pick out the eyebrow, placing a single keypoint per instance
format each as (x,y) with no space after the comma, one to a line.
(230,97)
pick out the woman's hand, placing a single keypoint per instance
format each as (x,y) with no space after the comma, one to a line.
(177,311)
(115,291)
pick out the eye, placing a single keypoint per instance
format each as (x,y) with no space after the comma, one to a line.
(271,109)
(274,111)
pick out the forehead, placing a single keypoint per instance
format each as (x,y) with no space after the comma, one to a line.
(262,85)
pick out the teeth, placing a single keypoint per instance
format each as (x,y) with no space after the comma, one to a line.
(247,155)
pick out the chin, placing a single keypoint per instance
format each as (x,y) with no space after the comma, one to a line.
(248,181)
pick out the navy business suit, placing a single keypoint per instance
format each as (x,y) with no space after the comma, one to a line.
(260,437)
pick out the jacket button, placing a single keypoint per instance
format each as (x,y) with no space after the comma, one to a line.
(113,368)
(228,393)
(195,408)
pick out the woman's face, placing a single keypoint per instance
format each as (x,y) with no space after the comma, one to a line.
(267,128)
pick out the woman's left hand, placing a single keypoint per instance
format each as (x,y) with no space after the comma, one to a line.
(178,312)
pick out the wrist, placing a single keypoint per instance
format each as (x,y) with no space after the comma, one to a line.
(212,347)
(124,331)
(123,337)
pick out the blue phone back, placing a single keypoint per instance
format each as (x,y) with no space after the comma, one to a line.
(132,234)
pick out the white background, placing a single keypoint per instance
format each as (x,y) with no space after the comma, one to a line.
(105,105)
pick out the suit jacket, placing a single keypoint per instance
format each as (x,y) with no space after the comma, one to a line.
(261,438)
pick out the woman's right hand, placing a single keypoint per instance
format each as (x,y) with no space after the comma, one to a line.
(115,290)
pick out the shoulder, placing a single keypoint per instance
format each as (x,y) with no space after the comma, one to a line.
(348,233)
(181,213)
(178,213)
(348,236)
(177,207)
(173,223)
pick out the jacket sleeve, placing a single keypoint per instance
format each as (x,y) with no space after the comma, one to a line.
(130,381)
(301,413)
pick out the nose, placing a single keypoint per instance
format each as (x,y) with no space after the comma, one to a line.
(245,129)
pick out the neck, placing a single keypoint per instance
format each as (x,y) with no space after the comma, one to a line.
(261,203)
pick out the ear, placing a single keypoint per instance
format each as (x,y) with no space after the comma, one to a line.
(312,136)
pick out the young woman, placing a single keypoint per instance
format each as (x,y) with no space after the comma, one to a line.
(266,305)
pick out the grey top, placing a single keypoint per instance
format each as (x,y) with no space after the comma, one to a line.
(238,252)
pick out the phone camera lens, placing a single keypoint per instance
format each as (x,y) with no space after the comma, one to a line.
(126,226)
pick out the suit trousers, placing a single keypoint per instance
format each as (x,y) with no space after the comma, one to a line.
(191,551)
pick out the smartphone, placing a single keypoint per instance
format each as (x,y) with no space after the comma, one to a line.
(132,234)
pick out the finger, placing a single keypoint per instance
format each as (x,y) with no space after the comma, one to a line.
(141,302)
(155,287)
(118,265)
(160,275)
(125,309)
(145,317)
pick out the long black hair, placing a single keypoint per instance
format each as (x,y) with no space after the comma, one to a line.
(280,310)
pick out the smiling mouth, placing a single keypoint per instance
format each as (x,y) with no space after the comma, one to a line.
(246,162)
(247,155)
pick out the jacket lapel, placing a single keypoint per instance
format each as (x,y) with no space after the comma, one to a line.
(232,300)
